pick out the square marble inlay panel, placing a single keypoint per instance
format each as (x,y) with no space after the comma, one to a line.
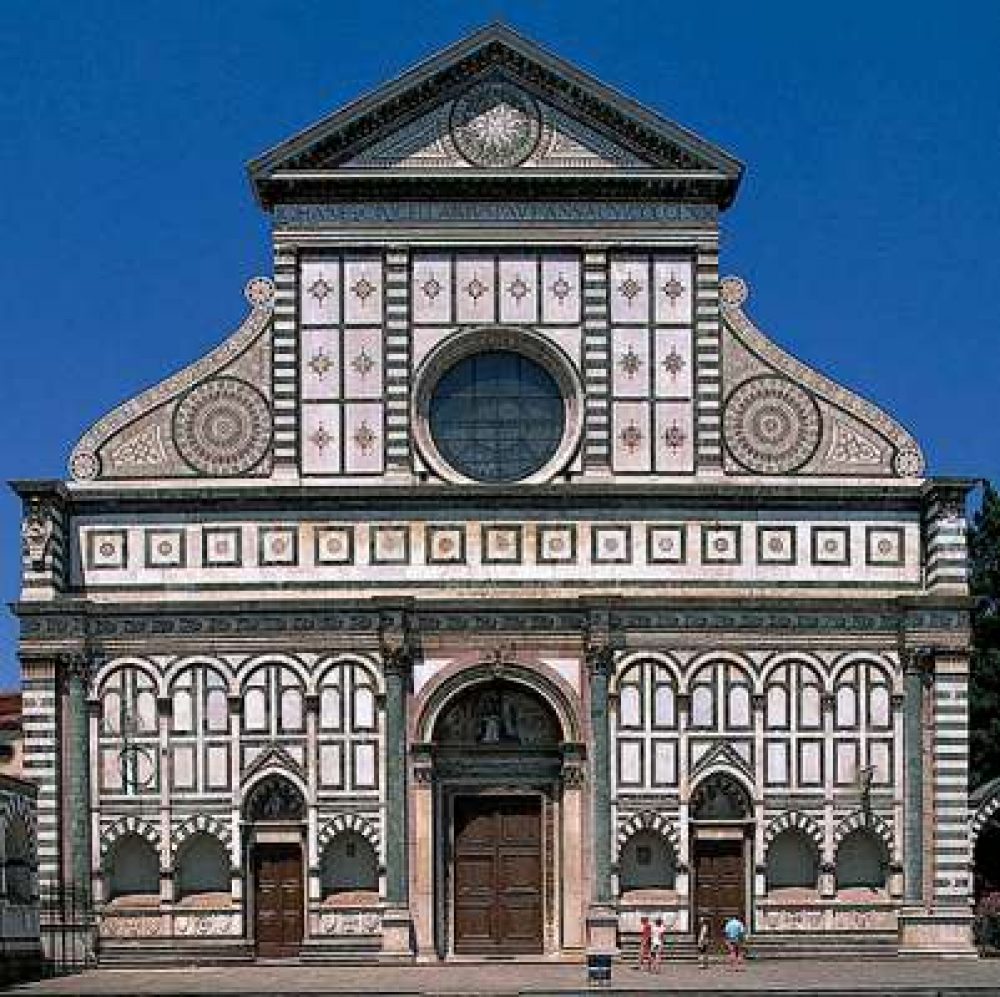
(431,294)
(628,289)
(362,290)
(278,545)
(776,544)
(475,289)
(665,544)
(720,545)
(446,544)
(165,549)
(501,544)
(672,280)
(561,289)
(334,545)
(518,289)
(390,545)
(611,544)
(884,545)
(319,282)
(221,547)
(831,545)
(630,357)
(556,544)
(107,549)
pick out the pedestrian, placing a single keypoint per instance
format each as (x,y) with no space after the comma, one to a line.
(659,943)
(704,934)
(735,932)
(645,944)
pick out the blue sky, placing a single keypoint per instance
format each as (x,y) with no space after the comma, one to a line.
(867,224)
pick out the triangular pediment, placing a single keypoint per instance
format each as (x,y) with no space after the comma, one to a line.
(494,103)
(561,143)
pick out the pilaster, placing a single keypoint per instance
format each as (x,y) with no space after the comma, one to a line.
(602,919)
(75,669)
(397,665)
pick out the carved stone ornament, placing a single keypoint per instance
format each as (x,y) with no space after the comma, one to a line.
(497,715)
(36,533)
(275,798)
(495,125)
(720,797)
(574,775)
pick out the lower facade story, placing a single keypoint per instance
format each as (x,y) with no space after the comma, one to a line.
(486,796)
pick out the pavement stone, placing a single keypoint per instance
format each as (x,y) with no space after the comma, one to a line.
(897,977)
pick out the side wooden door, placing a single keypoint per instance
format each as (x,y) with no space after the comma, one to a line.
(720,884)
(498,875)
(278,901)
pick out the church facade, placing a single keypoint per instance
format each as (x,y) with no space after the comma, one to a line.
(498,582)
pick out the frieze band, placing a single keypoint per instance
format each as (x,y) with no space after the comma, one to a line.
(499,212)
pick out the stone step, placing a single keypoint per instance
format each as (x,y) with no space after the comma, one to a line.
(149,953)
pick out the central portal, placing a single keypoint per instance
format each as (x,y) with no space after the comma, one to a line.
(498,875)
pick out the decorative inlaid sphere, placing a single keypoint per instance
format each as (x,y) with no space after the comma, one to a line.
(733,291)
(908,463)
(259,291)
(771,426)
(495,124)
(223,427)
(85,466)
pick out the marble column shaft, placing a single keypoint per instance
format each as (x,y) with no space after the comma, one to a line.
(396,871)
(77,869)
(600,668)
(913,833)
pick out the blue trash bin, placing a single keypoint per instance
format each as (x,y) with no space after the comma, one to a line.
(599,968)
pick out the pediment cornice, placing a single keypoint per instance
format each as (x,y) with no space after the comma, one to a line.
(313,161)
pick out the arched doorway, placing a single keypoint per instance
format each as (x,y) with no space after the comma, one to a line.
(274,812)
(722,824)
(497,759)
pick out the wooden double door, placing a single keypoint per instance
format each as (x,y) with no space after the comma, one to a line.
(278,900)
(720,883)
(498,875)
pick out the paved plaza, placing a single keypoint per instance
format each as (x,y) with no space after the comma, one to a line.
(920,978)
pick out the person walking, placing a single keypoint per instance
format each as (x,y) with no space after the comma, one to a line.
(704,935)
(645,944)
(659,943)
(735,932)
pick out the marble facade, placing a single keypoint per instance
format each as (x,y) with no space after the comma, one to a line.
(722,611)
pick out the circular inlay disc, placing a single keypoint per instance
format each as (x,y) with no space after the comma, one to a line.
(771,426)
(495,124)
(223,427)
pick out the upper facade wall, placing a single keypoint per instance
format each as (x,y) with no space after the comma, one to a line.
(495,201)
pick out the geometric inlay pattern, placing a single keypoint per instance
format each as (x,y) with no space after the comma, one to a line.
(129,825)
(223,427)
(793,819)
(771,426)
(201,824)
(346,823)
(648,820)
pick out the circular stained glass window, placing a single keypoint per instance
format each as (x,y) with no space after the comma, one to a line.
(497,416)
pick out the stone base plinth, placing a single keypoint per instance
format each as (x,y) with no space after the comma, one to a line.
(602,930)
(940,931)
(397,935)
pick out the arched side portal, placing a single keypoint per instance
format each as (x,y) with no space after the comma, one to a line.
(497,770)
(722,817)
(274,814)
